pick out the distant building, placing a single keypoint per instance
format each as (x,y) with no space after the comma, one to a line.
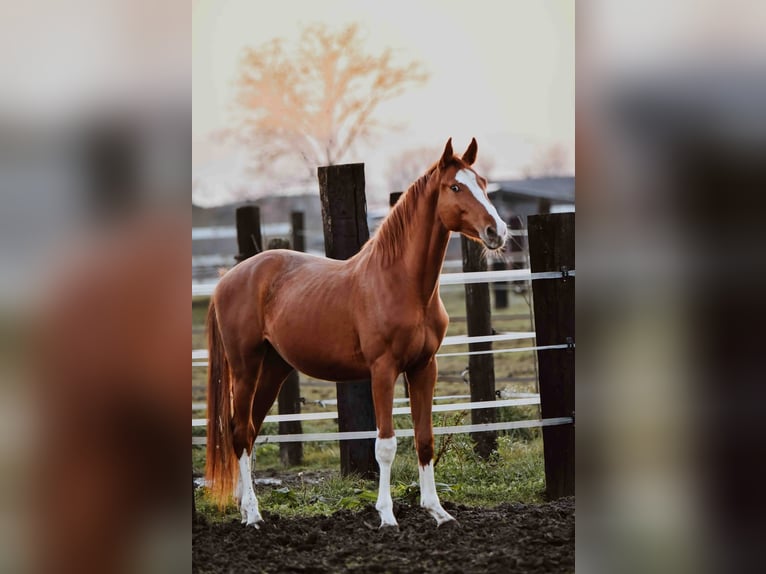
(214,235)
(524,197)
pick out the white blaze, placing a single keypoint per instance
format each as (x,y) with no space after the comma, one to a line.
(468,179)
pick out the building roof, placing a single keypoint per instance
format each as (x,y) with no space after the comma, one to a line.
(558,189)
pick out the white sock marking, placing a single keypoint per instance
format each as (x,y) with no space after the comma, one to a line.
(385,451)
(248,505)
(428,497)
(468,179)
(238,491)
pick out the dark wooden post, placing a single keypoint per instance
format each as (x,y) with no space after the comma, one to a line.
(552,248)
(289,401)
(299,231)
(517,246)
(500,287)
(481,368)
(344,218)
(249,239)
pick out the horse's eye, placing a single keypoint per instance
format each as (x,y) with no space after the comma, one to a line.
(454,187)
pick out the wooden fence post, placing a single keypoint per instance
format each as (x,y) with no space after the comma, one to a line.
(344,218)
(249,239)
(481,368)
(298,230)
(552,248)
(289,401)
(518,246)
(500,287)
(514,253)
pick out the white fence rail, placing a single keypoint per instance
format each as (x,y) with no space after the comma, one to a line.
(200,356)
(398,410)
(206,289)
(202,405)
(459,429)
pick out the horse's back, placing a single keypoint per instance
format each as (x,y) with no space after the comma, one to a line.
(264,274)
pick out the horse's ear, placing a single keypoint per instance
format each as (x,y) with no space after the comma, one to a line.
(469,155)
(447,155)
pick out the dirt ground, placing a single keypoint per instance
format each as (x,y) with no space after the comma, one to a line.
(507,538)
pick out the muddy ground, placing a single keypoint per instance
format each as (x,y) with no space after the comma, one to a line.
(507,538)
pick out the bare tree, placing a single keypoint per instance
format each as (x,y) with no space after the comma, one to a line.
(408,165)
(552,161)
(311,103)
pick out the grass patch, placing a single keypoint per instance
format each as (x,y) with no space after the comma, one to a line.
(515,472)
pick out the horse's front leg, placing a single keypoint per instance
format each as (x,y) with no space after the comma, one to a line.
(421,383)
(383,380)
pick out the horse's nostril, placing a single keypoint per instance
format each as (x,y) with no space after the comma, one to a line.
(491,232)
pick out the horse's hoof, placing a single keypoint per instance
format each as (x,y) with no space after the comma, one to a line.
(254,521)
(439,514)
(387,518)
(448,524)
(250,512)
(387,526)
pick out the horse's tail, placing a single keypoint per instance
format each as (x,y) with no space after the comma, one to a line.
(221,465)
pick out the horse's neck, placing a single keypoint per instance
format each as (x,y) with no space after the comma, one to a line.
(421,244)
(426,263)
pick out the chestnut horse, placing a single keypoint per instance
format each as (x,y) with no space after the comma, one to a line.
(375,315)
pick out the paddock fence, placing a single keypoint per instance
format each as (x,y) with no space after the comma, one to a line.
(200,359)
(559,473)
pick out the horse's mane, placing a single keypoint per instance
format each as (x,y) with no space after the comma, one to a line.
(392,232)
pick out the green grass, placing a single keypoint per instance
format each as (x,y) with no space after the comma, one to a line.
(514,473)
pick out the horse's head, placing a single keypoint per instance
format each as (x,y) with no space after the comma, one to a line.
(463,205)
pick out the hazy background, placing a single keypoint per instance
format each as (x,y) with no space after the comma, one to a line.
(502,72)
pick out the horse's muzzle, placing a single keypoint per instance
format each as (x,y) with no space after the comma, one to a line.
(493,239)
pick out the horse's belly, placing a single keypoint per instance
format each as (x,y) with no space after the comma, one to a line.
(323,358)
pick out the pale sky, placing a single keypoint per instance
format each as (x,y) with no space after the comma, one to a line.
(502,71)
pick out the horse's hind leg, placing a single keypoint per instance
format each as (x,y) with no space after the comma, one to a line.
(421,383)
(272,372)
(245,372)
